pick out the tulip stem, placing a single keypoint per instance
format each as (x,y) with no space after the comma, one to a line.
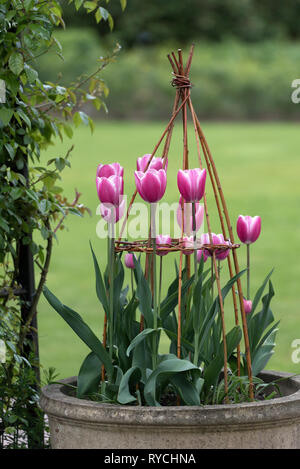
(248,271)
(160,284)
(195,241)
(153,235)
(212,279)
(111,286)
(131,275)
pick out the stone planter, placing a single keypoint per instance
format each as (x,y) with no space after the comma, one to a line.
(76,423)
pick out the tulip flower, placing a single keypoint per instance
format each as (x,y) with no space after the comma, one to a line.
(188,242)
(156,163)
(151,185)
(112,213)
(247,306)
(221,254)
(248,228)
(162,239)
(188,218)
(191,184)
(110,189)
(201,253)
(129,262)
(112,169)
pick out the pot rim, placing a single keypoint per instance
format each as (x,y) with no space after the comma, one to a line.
(55,402)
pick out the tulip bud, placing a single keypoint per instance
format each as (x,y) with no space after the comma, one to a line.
(191,184)
(188,242)
(112,169)
(247,306)
(162,239)
(248,228)
(156,163)
(201,253)
(129,262)
(151,185)
(110,189)
(221,254)
(112,213)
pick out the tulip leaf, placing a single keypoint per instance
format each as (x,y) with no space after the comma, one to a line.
(89,375)
(213,370)
(264,352)
(144,295)
(130,378)
(100,288)
(166,368)
(140,337)
(83,331)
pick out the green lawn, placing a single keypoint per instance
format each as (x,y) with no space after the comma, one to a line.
(259,168)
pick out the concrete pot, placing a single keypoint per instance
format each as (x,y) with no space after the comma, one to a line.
(81,424)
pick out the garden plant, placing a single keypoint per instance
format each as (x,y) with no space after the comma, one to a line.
(33,113)
(206,363)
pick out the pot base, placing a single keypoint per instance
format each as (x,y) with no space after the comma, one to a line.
(81,424)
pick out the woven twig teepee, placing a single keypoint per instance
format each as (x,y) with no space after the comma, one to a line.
(182,106)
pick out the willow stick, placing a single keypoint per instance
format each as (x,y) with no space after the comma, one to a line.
(236,312)
(148,164)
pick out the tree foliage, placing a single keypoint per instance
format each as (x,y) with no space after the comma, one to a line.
(33,114)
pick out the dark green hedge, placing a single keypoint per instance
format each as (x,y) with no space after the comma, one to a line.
(231,80)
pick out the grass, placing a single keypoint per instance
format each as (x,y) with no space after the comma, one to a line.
(259,168)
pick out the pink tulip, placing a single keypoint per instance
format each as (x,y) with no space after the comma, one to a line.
(247,306)
(201,253)
(156,163)
(151,185)
(221,254)
(129,262)
(188,242)
(111,213)
(248,228)
(112,169)
(188,224)
(110,189)
(191,184)
(165,240)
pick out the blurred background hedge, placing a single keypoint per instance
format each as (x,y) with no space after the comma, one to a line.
(247,55)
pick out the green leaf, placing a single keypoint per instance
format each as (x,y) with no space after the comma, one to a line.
(110,22)
(130,378)
(24,117)
(83,331)
(188,391)
(100,288)
(213,370)
(168,368)
(140,337)
(16,63)
(144,295)
(78,4)
(10,150)
(123,4)
(259,293)
(264,353)
(89,375)
(5,115)
(104,13)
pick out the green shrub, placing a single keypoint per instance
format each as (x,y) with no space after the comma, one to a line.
(231,80)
